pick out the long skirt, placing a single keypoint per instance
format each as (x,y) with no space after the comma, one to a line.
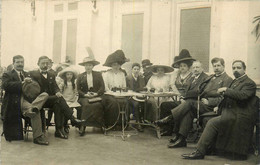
(93,113)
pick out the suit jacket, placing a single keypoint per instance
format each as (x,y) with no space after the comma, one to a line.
(130,83)
(239,111)
(208,88)
(11,107)
(192,91)
(48,85)
(98,83)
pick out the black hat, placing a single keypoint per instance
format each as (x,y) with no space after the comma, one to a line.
(146,62)
(167,69)
(118,56)
(184,56)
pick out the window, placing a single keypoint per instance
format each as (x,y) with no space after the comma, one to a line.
(58,8)
(195,33)
(73,6)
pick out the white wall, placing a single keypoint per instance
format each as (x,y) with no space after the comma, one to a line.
(231,26)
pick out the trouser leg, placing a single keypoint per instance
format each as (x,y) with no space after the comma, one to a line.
(36,125)
(186,124)
(209,134)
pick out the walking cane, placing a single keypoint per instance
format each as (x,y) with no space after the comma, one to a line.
(198,115)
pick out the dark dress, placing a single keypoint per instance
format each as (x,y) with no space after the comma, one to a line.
(182,84)
(93,113)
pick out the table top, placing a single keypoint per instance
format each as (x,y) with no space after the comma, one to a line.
(141,94)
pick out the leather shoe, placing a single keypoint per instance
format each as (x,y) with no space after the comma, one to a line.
(60,134)
(40,140)
(76,122)
(174,139)
(194,155)
(82,130)
(181,142)
(164,120)
(67,129)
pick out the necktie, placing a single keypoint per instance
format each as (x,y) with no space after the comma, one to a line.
(44,72)
(21,76)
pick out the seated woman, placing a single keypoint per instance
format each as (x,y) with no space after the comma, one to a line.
(114,79)
(135,82)
(90,86)
(184,76)
(67,85)
(159,82)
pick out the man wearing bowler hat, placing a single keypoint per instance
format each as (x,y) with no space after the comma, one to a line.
(147,73)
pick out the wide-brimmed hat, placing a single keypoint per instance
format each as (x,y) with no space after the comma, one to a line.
(118,56)
(62,73)
(146,62)
(167,69)
(89,60)
(184,56)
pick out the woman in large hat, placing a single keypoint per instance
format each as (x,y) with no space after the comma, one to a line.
(159,82)
(114,79)
(183,62)
(184,77)
(90,86)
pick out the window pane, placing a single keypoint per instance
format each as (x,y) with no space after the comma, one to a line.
(58,8)
(71,43)
(57,41)
(195,33)
(73,6)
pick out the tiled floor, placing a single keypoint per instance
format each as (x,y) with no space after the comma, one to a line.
(96,148)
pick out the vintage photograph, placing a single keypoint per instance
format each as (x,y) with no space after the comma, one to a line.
(129,82)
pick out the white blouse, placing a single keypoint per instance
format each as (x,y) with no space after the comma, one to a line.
(112,79)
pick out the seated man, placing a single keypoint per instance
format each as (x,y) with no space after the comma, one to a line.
(15,106)
(184,114)
(191,93)
(47,83)
(234,128)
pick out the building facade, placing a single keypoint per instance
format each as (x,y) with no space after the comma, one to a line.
(154,29)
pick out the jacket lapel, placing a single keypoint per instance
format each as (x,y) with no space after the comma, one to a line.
(236,83)
(15,75)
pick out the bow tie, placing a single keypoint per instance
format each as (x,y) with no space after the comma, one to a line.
(43,72)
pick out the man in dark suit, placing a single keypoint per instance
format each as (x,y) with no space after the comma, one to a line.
(147,73)
(184,114)
(15,106)
(234,128)
(191,93)
(55,100)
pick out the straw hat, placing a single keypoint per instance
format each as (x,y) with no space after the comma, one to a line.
(167,69)
(62,73)
(185,57)
(89,60)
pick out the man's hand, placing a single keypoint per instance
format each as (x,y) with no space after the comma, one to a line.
(58,94)
(222,90)
(90,95)
(215,109)
(205,101)
(27,80)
